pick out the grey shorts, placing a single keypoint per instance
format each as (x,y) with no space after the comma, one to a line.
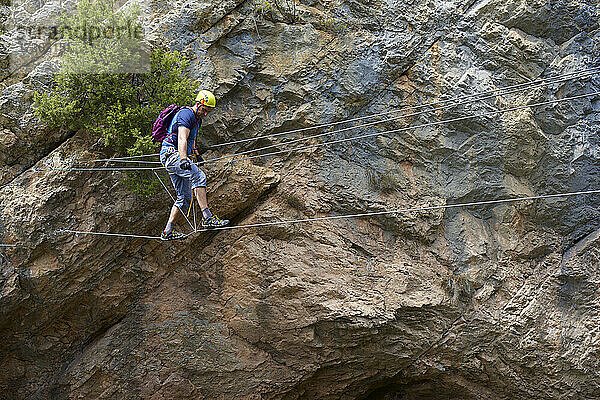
(183,180)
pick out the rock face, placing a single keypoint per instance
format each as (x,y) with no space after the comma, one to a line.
(494,302)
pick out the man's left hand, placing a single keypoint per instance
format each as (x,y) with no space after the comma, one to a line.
(185,164)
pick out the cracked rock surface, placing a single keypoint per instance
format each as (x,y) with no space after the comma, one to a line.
(494,302)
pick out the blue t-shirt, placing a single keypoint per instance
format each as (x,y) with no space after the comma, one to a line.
(184,117)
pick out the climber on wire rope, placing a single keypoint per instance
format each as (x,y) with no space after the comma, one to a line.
(177,148)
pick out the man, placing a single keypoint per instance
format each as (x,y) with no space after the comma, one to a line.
(179,144)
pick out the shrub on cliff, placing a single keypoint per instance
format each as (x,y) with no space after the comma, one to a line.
(120,107)
(110,85)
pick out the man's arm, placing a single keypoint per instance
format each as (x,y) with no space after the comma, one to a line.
(182,135)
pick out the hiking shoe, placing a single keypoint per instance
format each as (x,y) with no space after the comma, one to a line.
(213,222)
(173,235)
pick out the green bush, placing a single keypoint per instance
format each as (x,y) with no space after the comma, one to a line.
(117,106)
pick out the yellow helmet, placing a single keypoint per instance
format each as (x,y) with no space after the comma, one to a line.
(206,98)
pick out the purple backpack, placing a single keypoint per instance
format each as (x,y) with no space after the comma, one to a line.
(159,129)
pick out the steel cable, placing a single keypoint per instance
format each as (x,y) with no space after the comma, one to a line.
(358,215)
(453,102)
(345,139)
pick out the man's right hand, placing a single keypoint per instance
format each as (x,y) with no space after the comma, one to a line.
(185,164)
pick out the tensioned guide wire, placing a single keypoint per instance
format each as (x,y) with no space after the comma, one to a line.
(288,142)
(451,103)
(595,69)
(417,126)
(486,114)
(481,203)
(172,198)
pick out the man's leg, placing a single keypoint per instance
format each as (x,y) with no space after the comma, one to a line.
(201,196)
(203,202)
(198,179)
(181,184)
(199,184)
(175,212)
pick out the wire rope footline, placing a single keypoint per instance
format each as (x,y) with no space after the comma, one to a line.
(408,128)
(369,214)
(123,235)
(452,102)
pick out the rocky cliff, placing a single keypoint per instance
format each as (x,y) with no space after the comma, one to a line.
(495,302)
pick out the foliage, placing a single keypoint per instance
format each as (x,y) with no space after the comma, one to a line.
(333,25)
(121,108)
(287,8)
(117,106)
(102,40)
(142,183)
